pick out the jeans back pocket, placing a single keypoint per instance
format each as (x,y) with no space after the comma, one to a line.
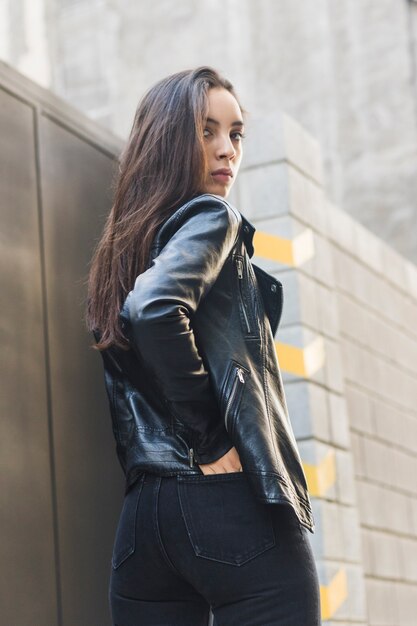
(125,538)
(225,521)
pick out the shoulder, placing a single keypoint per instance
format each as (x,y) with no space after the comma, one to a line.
(208,210)
(209,203)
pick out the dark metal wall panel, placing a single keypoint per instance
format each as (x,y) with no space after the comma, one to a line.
(76,197)
(61,487)
(27,562)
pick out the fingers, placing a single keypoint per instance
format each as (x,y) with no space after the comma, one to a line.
(230,462)
(211,470)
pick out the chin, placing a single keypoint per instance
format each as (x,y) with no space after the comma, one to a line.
(218,190)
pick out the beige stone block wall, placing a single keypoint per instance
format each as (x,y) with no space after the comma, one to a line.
(347,346)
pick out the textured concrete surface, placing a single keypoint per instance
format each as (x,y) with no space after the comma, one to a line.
(345,70)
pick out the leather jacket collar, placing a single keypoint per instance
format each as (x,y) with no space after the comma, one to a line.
(248,233)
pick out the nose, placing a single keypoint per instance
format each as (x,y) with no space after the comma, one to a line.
(226,149)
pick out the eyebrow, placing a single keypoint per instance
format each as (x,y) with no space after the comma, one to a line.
(236,123)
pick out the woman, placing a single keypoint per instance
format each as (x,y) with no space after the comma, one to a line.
(216,508)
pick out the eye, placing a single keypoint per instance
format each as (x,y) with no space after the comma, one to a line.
(241,135)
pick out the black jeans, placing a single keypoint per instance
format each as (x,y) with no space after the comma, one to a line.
(185,544)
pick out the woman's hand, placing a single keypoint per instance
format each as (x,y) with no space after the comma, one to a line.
(229,462)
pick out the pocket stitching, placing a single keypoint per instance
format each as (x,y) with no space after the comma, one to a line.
(243,557)
(121,556)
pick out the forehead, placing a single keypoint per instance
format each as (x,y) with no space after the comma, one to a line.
(223,106)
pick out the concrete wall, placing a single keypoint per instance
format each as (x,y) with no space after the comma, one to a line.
(347,347)
(345,70)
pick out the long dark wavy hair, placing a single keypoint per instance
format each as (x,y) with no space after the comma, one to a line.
(162,166)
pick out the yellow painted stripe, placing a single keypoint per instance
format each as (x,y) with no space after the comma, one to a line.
(333,595)
(292,252)
(301,361)
(273,247)
(321,476)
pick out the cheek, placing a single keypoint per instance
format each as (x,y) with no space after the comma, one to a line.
(238,158)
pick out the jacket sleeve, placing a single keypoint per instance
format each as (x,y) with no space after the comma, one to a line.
(161,307)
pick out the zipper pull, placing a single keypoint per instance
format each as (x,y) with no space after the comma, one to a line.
(191,456)
(240,374)
(239,263)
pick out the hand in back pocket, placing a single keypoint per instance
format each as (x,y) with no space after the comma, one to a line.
(229,462)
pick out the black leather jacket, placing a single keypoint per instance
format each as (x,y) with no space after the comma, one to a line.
(202,373)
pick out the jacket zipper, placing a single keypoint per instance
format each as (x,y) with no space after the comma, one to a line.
(239,265)
(191,456)
(190,451)
(239,376)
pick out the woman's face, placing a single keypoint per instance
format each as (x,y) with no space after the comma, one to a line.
(222,140)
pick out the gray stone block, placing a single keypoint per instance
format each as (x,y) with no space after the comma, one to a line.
(405,464)
(353,607)
(368,247)
(327,541)
(278,137)
(387,417)
(308,409)
(309,301)
(395,515)
(393,268)
(385,557)
(326,302)
(373,505)
(312,353)
(334,377)
(379,461)
(358,455)
(264,191)
(350,523)
(321,265)
(307,201)
(359,408)
(382,597)
(407,557)
(366,551)
(354,319)
(411,279)
(316,453)
(411,512)
(406,603)
(345,481)
(340,227)
(339,423)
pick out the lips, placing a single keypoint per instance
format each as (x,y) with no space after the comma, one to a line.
(225,171)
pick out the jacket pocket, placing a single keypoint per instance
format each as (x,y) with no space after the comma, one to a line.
(248,307)
(125,539)
(225,522)
(233,390)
